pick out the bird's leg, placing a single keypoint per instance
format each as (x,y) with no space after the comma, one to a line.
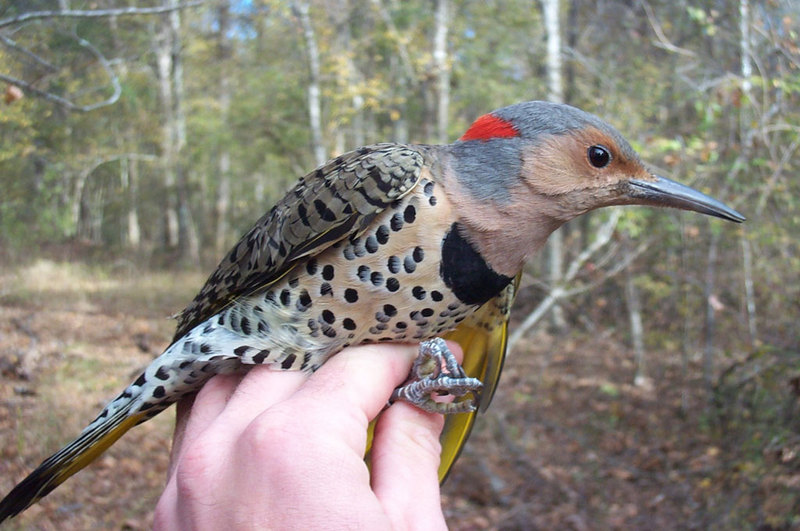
(436,372)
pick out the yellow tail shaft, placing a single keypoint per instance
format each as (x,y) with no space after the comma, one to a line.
(67,461)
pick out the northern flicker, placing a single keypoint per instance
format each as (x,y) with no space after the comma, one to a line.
(390,242)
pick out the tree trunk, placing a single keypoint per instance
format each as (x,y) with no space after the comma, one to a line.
(164,65)
(637,329)
(555,92)
(744,121)
(708,294)
(442,69)
(129,176)
(223,199)
(314,98)
(180,227)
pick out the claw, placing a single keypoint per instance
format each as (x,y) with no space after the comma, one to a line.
(436,372)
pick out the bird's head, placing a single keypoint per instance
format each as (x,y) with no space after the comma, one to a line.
(549,163)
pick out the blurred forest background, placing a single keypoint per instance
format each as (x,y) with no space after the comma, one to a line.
(654,378)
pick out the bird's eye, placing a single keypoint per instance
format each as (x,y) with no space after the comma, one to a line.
(599,156)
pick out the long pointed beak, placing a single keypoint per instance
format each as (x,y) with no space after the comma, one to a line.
(668,193)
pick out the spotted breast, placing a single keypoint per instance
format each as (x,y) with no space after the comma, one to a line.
(399,280)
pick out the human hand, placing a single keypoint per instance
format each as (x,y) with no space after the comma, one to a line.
(285,450)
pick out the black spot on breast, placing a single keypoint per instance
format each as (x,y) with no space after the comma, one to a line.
(263,327)
(392,284)
(418,254)
(363,273)
(426,312)
(371,244)
(328,316)
(428,188)
(162,373)
(325,289)
(329,331)
(376,278)
(396,222)
(140,380)
(409,264)
(382,234)
(389,310)
(304,301)
(348,253)
(348,324)
(393,264)
(410,214)
(436,296)
(159,392)
(350,295)
(465,271)
(401,325)
(239,351)
(286,297)
(245,324)
(432,201)
(293,283)
(418,292)
(327,272)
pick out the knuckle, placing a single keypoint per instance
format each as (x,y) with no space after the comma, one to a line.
(196,467)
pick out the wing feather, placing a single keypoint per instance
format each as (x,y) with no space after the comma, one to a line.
(484,339)
(334,201)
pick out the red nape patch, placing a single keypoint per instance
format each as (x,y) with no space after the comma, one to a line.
(489,126)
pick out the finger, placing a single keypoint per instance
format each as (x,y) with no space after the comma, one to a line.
(196,412)
(259,390)
(405,459)
(352,388)
(405,462)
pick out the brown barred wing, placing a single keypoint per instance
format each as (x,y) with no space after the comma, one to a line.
(333,202)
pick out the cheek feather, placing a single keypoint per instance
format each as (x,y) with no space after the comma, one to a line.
(489,126)
(560,165)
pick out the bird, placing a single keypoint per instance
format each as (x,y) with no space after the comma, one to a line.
(391,243)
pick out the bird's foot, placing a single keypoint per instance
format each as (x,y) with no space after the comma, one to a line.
(436,373)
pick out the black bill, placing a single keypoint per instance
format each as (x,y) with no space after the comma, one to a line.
(668,193)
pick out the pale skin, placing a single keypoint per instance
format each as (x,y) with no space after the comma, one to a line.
(284,450)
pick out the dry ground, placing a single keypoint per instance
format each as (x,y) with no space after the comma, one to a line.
(568,443)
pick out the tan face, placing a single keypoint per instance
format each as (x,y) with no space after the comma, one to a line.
(584,160)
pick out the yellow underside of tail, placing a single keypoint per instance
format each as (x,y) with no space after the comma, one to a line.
(94,451)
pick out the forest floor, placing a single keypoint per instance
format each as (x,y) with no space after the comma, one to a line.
(569,442)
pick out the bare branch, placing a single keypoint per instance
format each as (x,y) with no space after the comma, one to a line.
(109,71)
(64,102)
(663,41)
(21,49)
(41,93)
(94,13)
